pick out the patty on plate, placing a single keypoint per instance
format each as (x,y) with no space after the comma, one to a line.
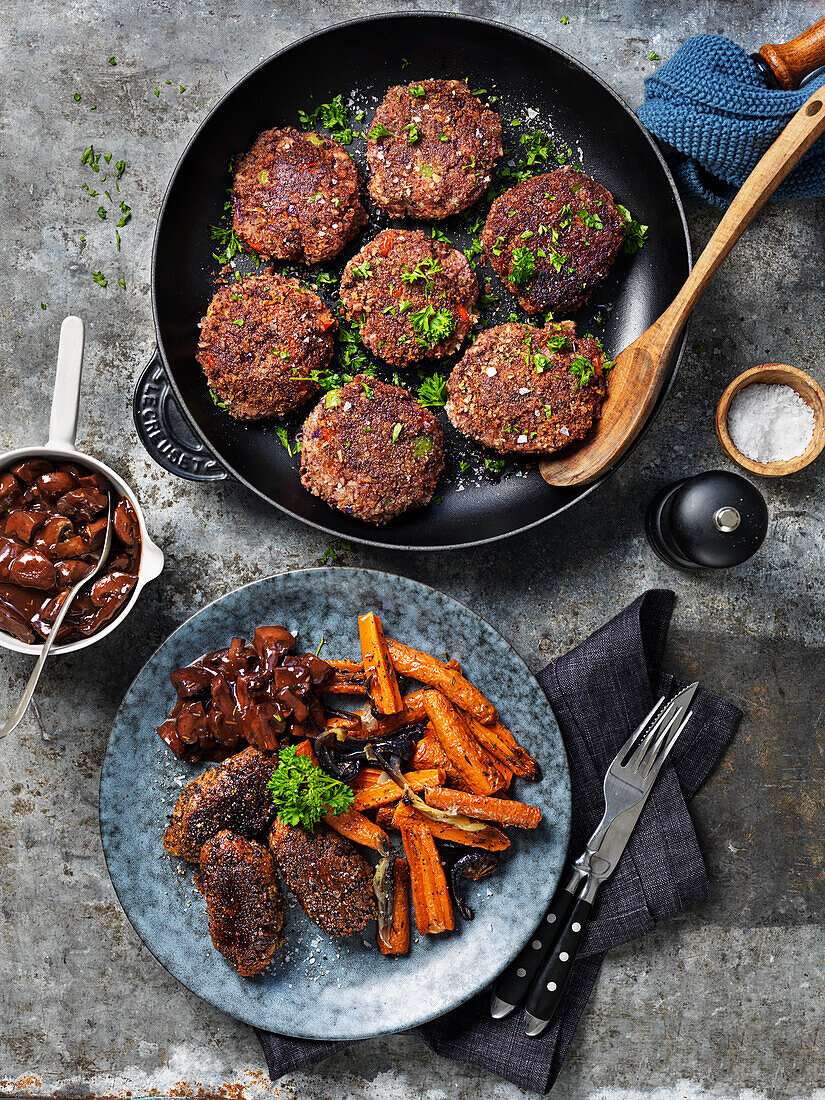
(327,874)
(261,338)
(553,238)
(233,796)
(413,297)
(296,196)
(371,451)
(431,149)
(527,390)
(243,900)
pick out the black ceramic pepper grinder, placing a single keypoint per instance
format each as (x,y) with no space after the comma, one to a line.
(710,521)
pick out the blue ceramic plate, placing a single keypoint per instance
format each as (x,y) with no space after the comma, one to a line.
(318,987)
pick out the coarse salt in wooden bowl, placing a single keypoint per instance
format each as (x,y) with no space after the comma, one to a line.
(774,374)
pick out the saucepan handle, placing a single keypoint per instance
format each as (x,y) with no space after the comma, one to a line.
(165,431)
(66,395)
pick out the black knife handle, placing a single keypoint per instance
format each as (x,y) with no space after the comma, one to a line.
(546,994)
(514,982)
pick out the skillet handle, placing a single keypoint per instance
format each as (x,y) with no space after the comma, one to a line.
(164,430)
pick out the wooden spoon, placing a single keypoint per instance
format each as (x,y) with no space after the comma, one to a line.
(637,379)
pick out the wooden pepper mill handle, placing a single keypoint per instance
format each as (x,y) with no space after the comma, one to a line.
(790,62)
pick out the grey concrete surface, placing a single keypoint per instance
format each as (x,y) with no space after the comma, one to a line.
(724,1002)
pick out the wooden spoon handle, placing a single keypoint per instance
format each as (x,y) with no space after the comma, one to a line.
(798,136)
(639,374)
(792,61)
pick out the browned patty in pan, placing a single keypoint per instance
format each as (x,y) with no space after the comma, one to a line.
(296,197)
(371,451)
(260,341)
(527,390)
(553,239)
(431,149)
(414,297)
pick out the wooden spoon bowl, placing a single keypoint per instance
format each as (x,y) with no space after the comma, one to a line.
(774,374)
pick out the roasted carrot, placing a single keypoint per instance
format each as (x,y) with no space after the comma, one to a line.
(431,899)
(414,706)
(462,749)
(505,811)
(501,744)
(378,667)
(429,753)
(352,723)
(491,839)
(381,794)
(367,777)
(353,825)
(354,667)
(421,666)
(304,748)
(398,941)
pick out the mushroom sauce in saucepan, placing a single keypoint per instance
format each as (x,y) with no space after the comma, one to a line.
(52,529)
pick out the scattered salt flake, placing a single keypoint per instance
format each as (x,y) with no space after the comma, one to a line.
(523,390)
(563,429)
(522,439)
(490,371)
(770,423)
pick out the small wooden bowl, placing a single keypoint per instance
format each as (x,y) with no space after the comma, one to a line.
(770,374)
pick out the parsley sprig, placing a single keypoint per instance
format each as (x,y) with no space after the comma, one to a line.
(303,793)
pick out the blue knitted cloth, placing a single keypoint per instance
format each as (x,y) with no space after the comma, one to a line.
(710,103)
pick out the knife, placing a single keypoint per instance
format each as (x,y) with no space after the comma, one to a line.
(549,955)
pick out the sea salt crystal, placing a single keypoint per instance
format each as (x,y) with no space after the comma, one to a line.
(770,423)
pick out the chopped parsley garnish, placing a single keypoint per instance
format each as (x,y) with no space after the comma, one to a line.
(635,234)
(334,553)
(524,265)
(423,446)
(379,130)
(432,326)
(538,147)
(100,278)
(333,116)
(440,235)
(582,370)
(417,91)
(423,270)
(216,400)
(303,792)
(494,466)
(431,392)
(283,439)
(652,56)
(397,429)
(362,270)
(565,19)
(411,130)
(592,221)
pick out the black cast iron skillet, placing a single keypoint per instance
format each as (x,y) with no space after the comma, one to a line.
(536,84)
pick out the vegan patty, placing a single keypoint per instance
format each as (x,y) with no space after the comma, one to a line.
(414,297)
(527,390)
(261,338)
(296,197)
(553,238)
(431,149)
(371,451)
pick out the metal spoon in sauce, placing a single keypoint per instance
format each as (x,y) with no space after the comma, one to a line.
(21,708)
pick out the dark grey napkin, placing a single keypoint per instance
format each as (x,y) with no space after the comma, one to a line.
(600,691)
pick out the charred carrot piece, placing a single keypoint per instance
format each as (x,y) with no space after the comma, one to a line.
(367,777)
(354,667)
(429,753)
(398,941)
(506,811)
(305,749)
(414,706)
(421,666)
(462,749)
(354,826)
(431,900)
(381,794)
(491,839)
(500,743)
(378,668)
